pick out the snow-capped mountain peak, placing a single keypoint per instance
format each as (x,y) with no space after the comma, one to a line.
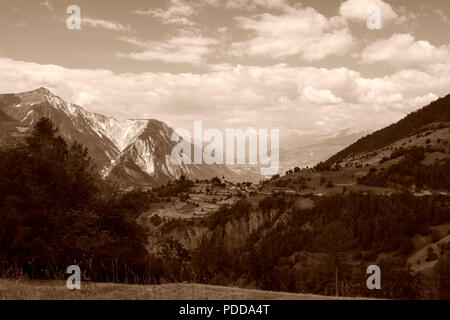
(121,133)
(135,151)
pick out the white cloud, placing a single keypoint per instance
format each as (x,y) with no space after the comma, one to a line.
(296,32)
(402,50)
(191,49)
(357,10)
(105,24)
(47,4)
(442,15)
(249,4)
(420,101)
(319,96)
(178,12)
(290,98)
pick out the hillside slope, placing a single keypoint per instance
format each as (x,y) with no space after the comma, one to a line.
(434,115)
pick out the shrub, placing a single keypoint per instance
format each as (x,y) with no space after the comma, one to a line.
(435,236)
(431,255)
(330,184)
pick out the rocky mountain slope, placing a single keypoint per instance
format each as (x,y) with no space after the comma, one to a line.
(28,107)
(132,151)
(147,159)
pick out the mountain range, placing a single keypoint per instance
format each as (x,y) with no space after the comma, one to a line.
(137,151)
(131,151)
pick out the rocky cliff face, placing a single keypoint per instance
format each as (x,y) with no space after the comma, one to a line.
(147,157)
(230,236)
(235,233)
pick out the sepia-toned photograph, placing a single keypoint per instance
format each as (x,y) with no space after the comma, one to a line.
(224,150)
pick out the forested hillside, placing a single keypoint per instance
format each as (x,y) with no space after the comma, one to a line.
(304,250)
(56,211)
(409,171)
(435,114)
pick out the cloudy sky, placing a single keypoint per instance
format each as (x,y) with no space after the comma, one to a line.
(305,67)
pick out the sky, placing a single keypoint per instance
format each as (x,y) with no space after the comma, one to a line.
(304,67)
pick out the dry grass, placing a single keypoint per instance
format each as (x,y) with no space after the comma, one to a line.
(56,290)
